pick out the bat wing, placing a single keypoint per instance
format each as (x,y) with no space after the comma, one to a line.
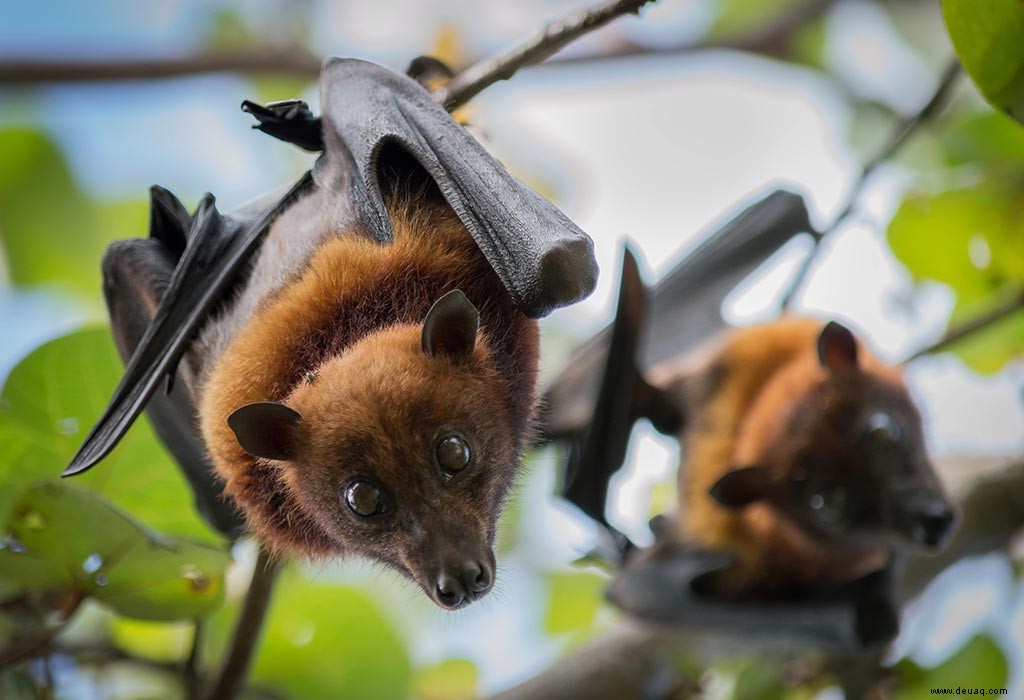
(594,403)
(214,250)
(374,119)
(622,397)
(662,587)
(136,274)
(684,308)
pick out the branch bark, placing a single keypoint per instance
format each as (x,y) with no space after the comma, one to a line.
(231,679)
(899,135)
(555,36)
(771,39)
(638,660)
(985,320)
(293,61)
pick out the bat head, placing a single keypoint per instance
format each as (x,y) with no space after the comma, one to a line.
(402,449)
(849,463)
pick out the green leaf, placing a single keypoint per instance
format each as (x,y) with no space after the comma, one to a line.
(958,238)
(757,679)
(50,231)
(452,679)
(574,602)
(990,139)
(48,404)
(63,538)
(323,641)
(979,664)
(988,37)
(737,17)
(973,241)
(166,642)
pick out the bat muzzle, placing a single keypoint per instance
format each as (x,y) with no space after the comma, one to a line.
(927,521)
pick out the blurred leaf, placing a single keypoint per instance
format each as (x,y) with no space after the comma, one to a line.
(48,404)
(227,30)
(63,538)
(990,138)
(737,17)
(973,241)
(16,684)
(574,601)
(51,233)
(988,37)
(758,679)
(323,641)
(954,238)
(452,679)
(273,88)
(979,664)
(157,641)
(664,498)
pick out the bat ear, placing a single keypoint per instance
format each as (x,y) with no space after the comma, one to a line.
(741,487)
(837,348)
(266,429)
(450,326)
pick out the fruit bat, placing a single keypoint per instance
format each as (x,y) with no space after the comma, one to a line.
(348,364)
(592,405)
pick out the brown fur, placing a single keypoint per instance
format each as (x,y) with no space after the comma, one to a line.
(754,386)
(352,322)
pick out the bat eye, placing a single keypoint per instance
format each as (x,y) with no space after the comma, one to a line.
(880,427)
(829,505)
(452,455)
(364,498)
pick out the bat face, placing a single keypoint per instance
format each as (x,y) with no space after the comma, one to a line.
(859,472)
(849,465)
(403,452)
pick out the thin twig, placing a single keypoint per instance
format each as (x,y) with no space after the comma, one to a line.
(897,138)
(30,648)
(470,82)
(293,61)
(231,679)
(958,333)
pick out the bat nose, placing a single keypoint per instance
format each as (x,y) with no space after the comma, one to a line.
(931,523)
(460,585)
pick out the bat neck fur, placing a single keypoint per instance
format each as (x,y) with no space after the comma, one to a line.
(353,287)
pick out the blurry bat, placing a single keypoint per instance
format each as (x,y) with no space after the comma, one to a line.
(803,475)
(603,382)
(805,458)
(357,356)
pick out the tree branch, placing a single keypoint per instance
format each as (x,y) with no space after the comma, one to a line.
(556,35)
(897,138)
(636,660)
(771,39)
(958,333)
(247,629)
(293,61)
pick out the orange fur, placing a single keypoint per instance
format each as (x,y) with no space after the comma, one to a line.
(355,317)
(756,380)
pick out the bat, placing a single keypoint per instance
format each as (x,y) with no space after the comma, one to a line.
(705,570)
(418,266)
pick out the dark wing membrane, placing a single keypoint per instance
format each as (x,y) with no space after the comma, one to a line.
(541,257)
(218,248)
(660,585)
(136,274)
(622,397)
(684,308)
